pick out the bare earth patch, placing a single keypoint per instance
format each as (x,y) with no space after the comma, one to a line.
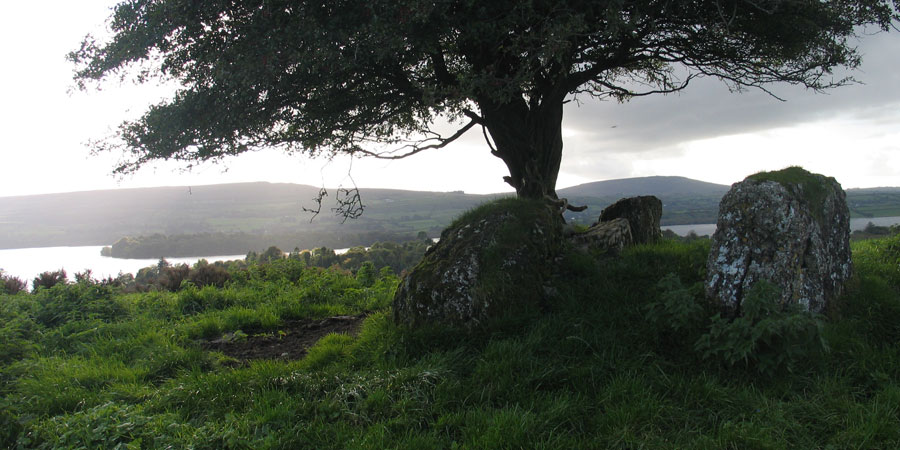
(291,341)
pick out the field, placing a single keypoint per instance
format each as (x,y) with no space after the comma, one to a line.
(628,356)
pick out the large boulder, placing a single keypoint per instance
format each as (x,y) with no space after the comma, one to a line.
(791,228)
(642,213)
(491,263)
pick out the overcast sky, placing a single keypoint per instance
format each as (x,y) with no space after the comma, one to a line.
(706,132)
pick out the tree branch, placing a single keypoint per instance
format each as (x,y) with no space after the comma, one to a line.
(416,147)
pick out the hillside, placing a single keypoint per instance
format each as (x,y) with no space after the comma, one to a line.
(685,201)
(259,209)
(658,186)
(273,212)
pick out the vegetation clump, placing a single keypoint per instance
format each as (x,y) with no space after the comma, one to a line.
(872,231)
(813,188)
(10,284)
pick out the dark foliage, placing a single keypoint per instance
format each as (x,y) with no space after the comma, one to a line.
(205,274)
(325,77)
(170,278)
(49,279)
(10,284)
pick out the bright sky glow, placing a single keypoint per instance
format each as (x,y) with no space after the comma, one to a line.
(704,133)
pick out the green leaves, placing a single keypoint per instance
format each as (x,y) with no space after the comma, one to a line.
(333,77)
(767,335)
(677,307)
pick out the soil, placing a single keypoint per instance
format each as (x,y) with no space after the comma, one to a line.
(292,340)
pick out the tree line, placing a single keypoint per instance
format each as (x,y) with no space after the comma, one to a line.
(380,259)
(205,244)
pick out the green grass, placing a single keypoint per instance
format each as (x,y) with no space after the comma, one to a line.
(603,368)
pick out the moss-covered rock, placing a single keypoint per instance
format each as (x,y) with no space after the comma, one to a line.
(491,263)
(791,228)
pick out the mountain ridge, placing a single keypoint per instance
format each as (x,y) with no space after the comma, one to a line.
(101,217)
(654,185)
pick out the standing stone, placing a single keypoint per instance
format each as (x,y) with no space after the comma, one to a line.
(642,213)
(491,263)
(789,227)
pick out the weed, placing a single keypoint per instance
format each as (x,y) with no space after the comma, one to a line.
(768,335)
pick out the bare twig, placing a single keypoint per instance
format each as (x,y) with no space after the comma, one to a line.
(315,212)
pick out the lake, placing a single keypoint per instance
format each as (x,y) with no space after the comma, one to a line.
(704,229)
(26,263)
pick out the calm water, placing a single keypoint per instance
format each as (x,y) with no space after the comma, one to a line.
(710,228)
(26,263)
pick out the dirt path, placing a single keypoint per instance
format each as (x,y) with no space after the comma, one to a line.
(291,341)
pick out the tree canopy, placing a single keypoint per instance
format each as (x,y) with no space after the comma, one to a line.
(374,77)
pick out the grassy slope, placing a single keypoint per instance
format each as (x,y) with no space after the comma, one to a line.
(593,373)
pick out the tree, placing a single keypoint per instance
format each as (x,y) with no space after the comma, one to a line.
(373,77)
(271,254)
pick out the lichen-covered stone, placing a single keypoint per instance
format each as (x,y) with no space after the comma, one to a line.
(604,237)
(789,227)
(491,263)
(643,214)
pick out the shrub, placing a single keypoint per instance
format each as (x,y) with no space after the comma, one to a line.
(11,285)
(69,302)
(366,274)
(49,279)
(18,332)
(209,275)
(677,308)
(170,277)
(768,335)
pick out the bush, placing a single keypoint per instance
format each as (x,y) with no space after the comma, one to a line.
(70,302)
(208,275)
(49,279)
(768,335)
(171,277)
(366,274)
(677,308)
(11,285)
(18,331)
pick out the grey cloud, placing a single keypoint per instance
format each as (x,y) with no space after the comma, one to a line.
(707,109)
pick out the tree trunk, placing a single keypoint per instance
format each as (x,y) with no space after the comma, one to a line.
(529,140)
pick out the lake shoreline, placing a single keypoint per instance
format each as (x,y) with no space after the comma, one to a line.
(29,262)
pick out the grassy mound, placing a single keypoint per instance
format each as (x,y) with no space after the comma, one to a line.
(490,266)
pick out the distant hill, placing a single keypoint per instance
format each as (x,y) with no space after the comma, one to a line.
(658,186)
(259,209)
(273,212)
(685,201)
